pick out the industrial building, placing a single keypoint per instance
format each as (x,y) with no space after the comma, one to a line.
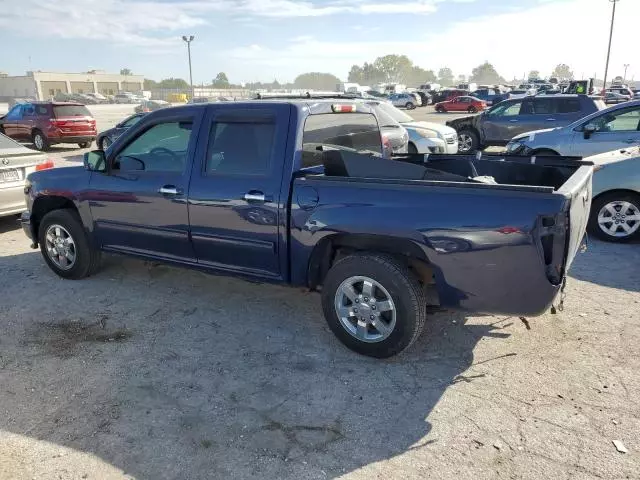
(45,85)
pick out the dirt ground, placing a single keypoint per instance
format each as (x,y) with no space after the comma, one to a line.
(151,372)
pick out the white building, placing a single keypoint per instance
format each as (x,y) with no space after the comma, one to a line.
(44,85)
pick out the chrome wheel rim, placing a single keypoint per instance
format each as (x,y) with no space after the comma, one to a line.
(365,309)
(465,142)
(60,247)
(619,219)
(38,141)
(105,143)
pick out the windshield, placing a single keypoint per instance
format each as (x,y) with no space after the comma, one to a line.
(393,112)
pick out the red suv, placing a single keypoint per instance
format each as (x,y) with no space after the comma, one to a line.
(48,123)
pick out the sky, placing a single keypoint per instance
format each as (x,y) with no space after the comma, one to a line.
(263,40)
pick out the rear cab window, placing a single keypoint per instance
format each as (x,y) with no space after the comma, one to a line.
(357,131)
(71,111)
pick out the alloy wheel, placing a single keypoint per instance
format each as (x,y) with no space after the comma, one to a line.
(619,219)
(60,246)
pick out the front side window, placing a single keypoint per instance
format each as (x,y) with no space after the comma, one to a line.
(15,113)
(132,121)
(161,148)
(627,120)
(505,109)
(241,146)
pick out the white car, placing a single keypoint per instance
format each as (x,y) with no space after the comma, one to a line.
(424,137)
(405,100)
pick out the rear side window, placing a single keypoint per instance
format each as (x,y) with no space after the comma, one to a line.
(544,106)
(359,131)
(568,105)
(241,144)
(71,111)
(42,110)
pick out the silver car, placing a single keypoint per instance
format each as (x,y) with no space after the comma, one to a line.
(603,131)
(16,162)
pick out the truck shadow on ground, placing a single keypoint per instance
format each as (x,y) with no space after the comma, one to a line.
(168,373)
(609,264)
(9,223)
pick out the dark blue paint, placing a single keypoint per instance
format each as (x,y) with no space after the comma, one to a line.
(482,242)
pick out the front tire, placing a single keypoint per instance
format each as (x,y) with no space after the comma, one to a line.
(409,106)
(440,109)
(615,217)
(374,304)
(104,143)
(472,109)
(65,246)
(468,141)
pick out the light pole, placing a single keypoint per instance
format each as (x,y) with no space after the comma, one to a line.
(624,79)
(189,39)
(606,67)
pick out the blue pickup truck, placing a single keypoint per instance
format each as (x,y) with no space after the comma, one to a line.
(298,192)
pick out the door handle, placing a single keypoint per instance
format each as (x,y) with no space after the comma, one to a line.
(551,119)
(255,196)
(513,121)
(168,190)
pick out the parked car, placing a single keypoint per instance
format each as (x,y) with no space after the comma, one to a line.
(425,98)
(509,118)
(448,94)
(74,98)
(151,106)
(49,123)
(17,161)
(106,138)
(461,104)
(405,100)
(423,137)
(418,98)
(490,96)
(126,97)
(270,191)
(97,97)
(611,98)
(520,93)
(615,210)
(603,131)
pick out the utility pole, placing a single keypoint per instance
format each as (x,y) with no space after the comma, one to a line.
(624,79)
(188,40)
(606,67)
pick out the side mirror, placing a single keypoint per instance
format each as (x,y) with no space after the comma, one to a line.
(589,129)
(95,161)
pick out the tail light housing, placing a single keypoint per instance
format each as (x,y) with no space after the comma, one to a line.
(45,165)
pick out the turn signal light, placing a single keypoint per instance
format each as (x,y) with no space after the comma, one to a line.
(45,165)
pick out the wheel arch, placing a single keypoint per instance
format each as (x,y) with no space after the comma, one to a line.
(331,248)
(543,149)
(45,204)
(623,191)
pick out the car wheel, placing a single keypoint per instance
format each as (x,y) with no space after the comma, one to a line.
(472,109)
(440,109)
(615,217)
(85,144)
(467,141)
(409,106)
(40,141)
(412,149)
(374,304)
(65,246)
(105,143)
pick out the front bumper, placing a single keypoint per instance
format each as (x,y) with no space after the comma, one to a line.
(435,145)
(28,228)
(12,200)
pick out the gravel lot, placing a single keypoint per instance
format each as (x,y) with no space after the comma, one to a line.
(151,372)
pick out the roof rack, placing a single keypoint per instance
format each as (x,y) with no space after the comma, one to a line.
(303,96)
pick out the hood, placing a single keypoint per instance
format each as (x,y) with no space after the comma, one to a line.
(438,127)
(614,156)
(532,134)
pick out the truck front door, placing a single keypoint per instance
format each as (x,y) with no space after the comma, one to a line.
(235,209)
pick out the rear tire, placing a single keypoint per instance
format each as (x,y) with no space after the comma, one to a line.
(612,207)
(40,141)
(82,259)
(85,144)
(401,312)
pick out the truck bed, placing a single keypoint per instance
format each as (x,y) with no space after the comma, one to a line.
(495,248)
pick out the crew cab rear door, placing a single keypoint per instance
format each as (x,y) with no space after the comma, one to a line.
(234,202)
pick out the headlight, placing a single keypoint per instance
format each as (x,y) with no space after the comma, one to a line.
(424,133)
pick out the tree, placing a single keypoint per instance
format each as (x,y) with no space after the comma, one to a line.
(534,74)
(316,81)
(394,67)
(462,78)
(150,84)
(221,81)
(125,71)
(563,72)
(485,74)
(417,76)
(355,74)
(173,83)
(445,76)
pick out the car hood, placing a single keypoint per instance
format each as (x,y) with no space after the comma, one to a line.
(533,134)
(614,156)
(438,127)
